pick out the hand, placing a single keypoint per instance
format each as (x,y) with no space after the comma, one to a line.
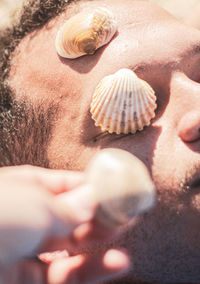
(38,209)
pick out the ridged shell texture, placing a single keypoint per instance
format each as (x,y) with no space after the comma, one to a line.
(123,103)
(85,32)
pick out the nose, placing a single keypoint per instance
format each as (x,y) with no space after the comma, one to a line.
(189,126)
(188,93)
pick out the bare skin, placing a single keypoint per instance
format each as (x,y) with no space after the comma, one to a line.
(165,244)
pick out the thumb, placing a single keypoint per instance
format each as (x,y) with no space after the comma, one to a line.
(72,209)
(55,181)
(69,210)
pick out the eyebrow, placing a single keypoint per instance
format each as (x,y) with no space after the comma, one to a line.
(144,67)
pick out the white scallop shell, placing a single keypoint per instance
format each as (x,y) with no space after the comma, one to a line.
(123,103)
(85,32)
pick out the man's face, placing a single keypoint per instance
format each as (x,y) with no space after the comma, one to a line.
(165,243)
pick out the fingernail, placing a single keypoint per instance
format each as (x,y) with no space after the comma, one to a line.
(48,257)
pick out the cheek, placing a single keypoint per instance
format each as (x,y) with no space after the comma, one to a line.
(171,160)
(66,149)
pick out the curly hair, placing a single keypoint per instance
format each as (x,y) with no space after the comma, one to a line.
(24,131)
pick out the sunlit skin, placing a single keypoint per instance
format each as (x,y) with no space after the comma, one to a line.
(165,243)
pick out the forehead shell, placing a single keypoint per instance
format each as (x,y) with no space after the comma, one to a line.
(123,103)
(85,32)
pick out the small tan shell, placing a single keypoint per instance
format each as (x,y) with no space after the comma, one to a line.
(121,185)
(85,32)
(123,103)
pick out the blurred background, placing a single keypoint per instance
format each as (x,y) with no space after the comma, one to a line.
(9,9)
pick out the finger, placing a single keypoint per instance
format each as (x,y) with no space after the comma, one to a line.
(88,235)
(56,181)
(79,204)
(83,270)
(49,257)
(95,230)
(70,210)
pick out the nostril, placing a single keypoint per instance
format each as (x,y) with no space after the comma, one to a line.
(189,126)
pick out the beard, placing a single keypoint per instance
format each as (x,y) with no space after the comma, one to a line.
(164,244)
(25,132)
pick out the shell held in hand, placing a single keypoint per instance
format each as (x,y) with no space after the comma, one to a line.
(85,32)
(121,185)
(123,103)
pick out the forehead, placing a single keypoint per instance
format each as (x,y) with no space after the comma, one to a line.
(147,35)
